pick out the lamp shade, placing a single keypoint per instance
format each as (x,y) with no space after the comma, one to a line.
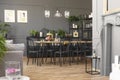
(49,34)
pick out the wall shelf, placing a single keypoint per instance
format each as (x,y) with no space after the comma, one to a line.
(84,29)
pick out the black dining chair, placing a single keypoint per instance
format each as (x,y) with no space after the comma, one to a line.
(49,52)
(78,52)
(88,49)
(63,53)
(33,51)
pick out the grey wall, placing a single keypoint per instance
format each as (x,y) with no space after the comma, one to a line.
(36,19)
(97,9)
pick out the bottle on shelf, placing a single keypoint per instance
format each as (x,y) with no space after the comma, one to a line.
(94,55)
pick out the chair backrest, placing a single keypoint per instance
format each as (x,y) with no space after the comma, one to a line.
(78,46)
(71,47)
(31,45)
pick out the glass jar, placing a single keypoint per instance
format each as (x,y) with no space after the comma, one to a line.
(12,70)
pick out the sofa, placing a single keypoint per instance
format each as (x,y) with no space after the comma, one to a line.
(14,53)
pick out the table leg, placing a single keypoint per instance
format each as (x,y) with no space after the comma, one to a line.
(91,66)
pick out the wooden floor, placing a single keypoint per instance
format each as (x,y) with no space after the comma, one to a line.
(55,72)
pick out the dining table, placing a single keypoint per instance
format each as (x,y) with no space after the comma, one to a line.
(57,42)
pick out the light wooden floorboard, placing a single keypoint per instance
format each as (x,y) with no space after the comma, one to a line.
(55,72)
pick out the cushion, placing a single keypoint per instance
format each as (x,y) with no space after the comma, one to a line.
(9,41)
(15,47)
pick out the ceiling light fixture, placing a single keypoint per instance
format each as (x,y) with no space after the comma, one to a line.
(58,14)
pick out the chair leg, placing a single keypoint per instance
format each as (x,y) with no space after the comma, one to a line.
(72,58)
(39,59)
(60,60)
(46,56)
(54,58)
(51,56)
(77,58)
(32,60)
(69,58)
(36,59)
(42,58)
(64,59)
(27,60)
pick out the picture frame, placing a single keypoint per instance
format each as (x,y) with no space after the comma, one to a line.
(9,16)
(75,33)
(22,16)
(87,24)
(108,9)
(87,35)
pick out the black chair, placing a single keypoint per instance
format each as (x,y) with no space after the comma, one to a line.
(88,49)
(78,52)
(33,50)
(49,52)
(62,53)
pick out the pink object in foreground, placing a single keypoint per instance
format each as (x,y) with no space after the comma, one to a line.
(11,70)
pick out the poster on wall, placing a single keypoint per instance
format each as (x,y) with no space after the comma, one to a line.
(9,15)
(22,16)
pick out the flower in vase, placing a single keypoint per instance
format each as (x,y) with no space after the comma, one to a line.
(11,70)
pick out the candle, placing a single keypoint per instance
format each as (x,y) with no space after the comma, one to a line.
(41,34)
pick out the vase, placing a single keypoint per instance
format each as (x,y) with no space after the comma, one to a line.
(12,70)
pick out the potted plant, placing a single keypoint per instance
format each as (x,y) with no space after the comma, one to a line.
(61,33)
(73,19)
(53,32)
(2,46)
(37,34)
(4,28)
(34,33)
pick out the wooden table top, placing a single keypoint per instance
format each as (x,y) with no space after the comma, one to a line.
(63,41)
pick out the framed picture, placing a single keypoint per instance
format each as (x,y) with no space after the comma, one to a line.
(75,33)
(9,15)
(22,16)
(87,35)
(87,24)
(111,6)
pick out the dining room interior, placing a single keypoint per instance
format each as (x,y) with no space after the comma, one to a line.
(58,39)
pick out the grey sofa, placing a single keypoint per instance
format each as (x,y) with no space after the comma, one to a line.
(15,53)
